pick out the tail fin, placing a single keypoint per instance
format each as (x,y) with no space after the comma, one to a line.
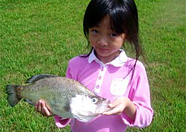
(13,97)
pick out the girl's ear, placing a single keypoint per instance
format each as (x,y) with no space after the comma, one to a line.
(124,36)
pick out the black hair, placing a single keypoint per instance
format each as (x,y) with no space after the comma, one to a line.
(123,19)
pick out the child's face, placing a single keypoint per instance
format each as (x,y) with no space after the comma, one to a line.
(105,41)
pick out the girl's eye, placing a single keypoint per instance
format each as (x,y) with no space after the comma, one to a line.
(94,31)
(113,35)
(94,100)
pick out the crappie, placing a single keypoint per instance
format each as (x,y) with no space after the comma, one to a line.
(64,97)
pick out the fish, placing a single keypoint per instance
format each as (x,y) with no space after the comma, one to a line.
(64,97)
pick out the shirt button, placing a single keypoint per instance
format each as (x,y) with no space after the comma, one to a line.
(97,86)
(99,77)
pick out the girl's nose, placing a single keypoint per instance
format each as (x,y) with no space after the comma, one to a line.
(102,42)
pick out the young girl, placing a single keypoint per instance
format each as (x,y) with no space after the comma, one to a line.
(108,72)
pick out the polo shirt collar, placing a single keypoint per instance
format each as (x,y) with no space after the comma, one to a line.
(117,62)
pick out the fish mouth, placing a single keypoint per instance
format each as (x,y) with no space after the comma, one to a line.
(103,108)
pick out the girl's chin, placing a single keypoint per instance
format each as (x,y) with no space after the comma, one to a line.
(102,54)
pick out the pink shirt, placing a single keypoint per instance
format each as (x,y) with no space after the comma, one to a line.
(111,80)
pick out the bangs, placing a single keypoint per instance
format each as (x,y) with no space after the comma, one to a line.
(95,12)
(118,19)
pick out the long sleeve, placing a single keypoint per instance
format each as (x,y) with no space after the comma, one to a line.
(60,122)
(140,96)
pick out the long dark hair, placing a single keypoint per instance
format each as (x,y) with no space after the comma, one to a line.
(123,19)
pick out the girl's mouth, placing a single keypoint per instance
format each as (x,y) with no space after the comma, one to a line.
(103,49)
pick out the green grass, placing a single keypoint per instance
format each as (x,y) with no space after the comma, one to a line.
(40,36)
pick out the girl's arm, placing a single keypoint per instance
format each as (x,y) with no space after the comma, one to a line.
(137,110)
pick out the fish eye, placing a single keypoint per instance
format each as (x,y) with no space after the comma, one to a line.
(94,100)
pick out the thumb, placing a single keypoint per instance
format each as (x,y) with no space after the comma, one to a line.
(114,103)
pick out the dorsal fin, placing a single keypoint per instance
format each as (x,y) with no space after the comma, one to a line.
(38,77)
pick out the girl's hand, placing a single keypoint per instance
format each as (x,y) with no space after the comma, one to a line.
(42,108)
(120,105)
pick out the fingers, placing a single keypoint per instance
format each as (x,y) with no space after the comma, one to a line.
(115,110)
(42,108)
(118,101)
(114,104)
(46,111)
(117,106)
(39,105)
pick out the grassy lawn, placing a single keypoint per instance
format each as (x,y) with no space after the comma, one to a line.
(40,36)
